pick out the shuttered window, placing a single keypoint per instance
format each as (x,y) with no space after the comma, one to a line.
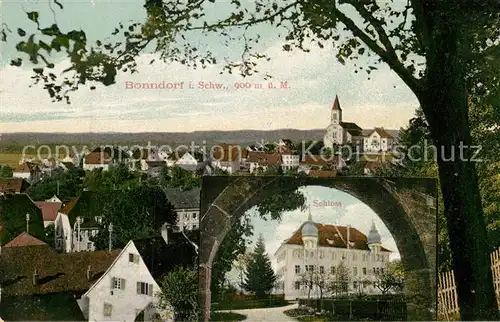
(118,283)
(144,288)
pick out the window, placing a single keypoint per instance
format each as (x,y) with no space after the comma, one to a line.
(355,284)
(364,270)
(311,254)
(118,283)
(355,271)
(354,257)
(297,269)
(333,255)
(133,258)
(297,285)
(332,269)
(108,309)
(195,226)
(322,269)
(310,268)
(321,254)
(194,215)
(144,288)
(382,270)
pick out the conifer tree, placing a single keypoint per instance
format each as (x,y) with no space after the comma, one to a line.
(260,278)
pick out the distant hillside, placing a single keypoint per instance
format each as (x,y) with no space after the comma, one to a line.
(198,137)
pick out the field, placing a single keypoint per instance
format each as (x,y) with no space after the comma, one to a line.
(12,159)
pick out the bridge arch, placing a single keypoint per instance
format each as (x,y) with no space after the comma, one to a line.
(406,206)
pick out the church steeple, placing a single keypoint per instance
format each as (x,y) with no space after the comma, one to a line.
(336,113)
(336,104)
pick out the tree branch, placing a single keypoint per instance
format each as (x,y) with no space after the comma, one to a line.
(387,57)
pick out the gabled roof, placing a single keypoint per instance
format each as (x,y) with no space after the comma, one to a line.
(316,160)
(161,258)
(97,158)
(25,239)
(352,128)
(89,204)
(57,272)
(380,131)
(183,199)
(13,185)
(328,236)
(26,167)
(336,104)
(49,209)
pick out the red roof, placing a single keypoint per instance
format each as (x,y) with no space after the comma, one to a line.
(264,158)
(97,158)
(24,239)
(16,185)
(328,236)
(316,160)
(49,209)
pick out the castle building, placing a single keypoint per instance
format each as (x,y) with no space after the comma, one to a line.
(322,248)
(339,132)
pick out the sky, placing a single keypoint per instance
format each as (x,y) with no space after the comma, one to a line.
(344,210)
(313,80)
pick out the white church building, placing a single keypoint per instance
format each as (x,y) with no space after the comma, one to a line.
(322,248)
(339,132)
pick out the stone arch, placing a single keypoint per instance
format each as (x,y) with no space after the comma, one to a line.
(406,206)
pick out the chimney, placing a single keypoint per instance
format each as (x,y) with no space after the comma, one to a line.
(89,272)
(35,277)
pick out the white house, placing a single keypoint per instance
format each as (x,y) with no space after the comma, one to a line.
(378,140)
(187,206)
(130,287)
(78,221)
(28,171)
(321,248)
(183,160)
(97,160)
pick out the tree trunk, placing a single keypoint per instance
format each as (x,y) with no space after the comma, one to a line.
(444,102)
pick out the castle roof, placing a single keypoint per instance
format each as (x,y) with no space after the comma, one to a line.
(335,237)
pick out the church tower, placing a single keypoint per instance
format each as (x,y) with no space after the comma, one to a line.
(334,132)
(336,116)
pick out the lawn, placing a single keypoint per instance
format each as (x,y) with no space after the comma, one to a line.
(227,316)
(306,316)
(248,304)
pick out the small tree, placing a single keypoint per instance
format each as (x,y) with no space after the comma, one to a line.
(260,278)
(339,284)
(307,279)
(321,279)
(179,291)
(390,278)
(50,235)
(242,261)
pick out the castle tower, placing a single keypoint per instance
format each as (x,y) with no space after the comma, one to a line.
(374,240)
(310,233)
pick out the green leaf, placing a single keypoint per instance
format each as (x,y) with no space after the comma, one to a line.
(21,32)
(17,62)
(33,16)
